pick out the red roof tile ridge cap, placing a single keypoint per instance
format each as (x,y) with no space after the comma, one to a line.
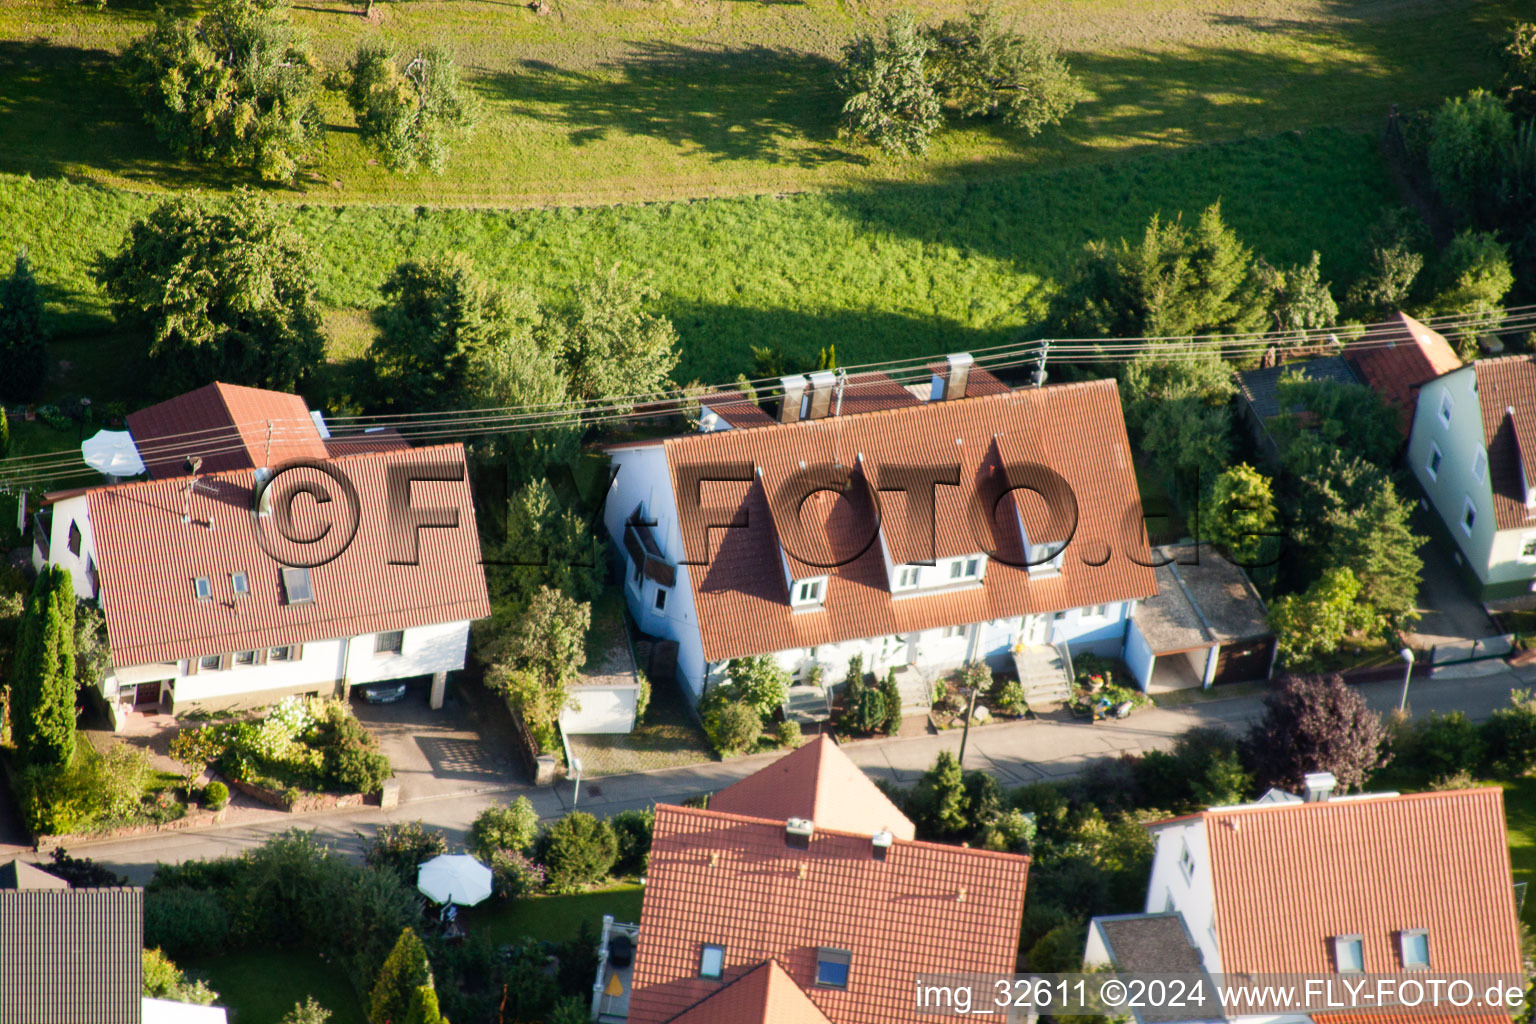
(746,819)
(1347,800)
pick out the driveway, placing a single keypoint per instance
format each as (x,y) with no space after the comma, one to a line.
(461,749)
(1447,611)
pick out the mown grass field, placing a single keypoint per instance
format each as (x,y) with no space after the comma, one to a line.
(620,100)
(260,988)
(883,271)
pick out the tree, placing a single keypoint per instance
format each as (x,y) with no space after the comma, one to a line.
(1240,516)
(23,348)
(540,657)
(164,980)
(92,654)
(1310,626)
(1300,300)
(424,1007)
(308,1012)
(410,110)
(1467,139)
(577,851)
(1340,415)
(237,86)
(888,98)
(1315,724)
(633,829)
(1472,276)
(546,545)
(731,724)
(1177,282)
(512,827)
(436,318)
(1392,267)
(892,694)
(43,676)
(938,804)
(404,971)
(760,681)
(570,1010)
(1178,404)
(612,348)
(1519,81)
(225,289)
(986,71)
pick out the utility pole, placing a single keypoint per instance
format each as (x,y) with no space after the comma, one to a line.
(1045,351)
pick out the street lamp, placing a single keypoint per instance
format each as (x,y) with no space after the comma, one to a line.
(576,787)
(1407,656)
(965,733)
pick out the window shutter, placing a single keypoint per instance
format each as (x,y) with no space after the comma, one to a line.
(225,661)
(192,666)
(298,652)
(261,656)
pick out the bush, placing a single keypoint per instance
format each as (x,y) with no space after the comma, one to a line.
(570,1010)
(515,875)
(1010,831)
(577,851)
(1442,746)
(790,734)
(732,726)
(869,715)
(633,831)
(1510,736)
(215,796)
(95,791)
(892,694)
(404,847)
(1468,137)
(1060,949)
(986,71)
(307,1012)
(164,980)
(513,827)
(760,682)
(1008,696)
(186,922)
(404,971)
(353,763)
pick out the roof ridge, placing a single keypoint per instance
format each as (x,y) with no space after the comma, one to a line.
(926,844)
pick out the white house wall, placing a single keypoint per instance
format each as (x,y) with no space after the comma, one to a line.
(1138,655)
(73,510)
(1458,443)
(424,650)
(1193,896)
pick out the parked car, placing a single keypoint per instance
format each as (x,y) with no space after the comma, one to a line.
(382,693)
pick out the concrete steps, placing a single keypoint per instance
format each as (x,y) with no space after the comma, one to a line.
(1043,674)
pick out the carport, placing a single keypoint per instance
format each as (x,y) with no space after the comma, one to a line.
(1206,626)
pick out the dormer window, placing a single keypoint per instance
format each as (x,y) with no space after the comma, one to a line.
(1045,559)
(907,577)
(808,592)
(954,570)
(832,967)
(1348,954)
(203,588)
(1415,948)
(711,962)
(240,583)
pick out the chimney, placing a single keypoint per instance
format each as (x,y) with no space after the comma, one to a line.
(822,384)
(798,832)
(1317,787)
(794,390)
(950,381)
(881,842)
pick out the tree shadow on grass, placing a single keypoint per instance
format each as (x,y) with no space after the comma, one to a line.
(738,103)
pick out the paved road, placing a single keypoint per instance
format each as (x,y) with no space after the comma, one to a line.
(1016,753)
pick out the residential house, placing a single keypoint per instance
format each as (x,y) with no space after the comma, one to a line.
(1398,360)
(75,955)
(800,895)
(208,602)
(886,561)
(1326,884)
(1473,451)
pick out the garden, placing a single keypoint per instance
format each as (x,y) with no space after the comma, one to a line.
(299,747)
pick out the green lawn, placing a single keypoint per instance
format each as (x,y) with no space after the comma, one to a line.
(261,987)
(1520,815)
(554,918)
(623,100)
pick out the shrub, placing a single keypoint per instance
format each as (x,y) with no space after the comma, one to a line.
(577,851)
(790,734)
(1468,137)
(164,980)
(512,827)
(633,831)
(186,922)
(94,791)
(353,763)
(570,1010)
(1315,724)
(732,727)
(892,694)
(1510,735)
(761,682)
(1008,696)
(1060,949)
(215,795)
(307,1012)
(515,875)
(1441,746)
(985,71)
(869,715)
(403,847)
(1010,831)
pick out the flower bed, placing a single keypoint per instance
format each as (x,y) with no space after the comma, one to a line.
(97,792)
(1097,692)
(301,748)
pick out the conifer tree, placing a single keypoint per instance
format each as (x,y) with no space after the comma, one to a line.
(23,356)
(43,676)
(404,972)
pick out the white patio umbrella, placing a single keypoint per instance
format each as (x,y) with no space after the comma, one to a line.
(454,878)
(112,452)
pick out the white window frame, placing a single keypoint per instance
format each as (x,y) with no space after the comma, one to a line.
(972,568)
(202,588)
(286,655)
(957,569)
(239,584)
(1480,465)
(907,576)
(217,659)
(952,633)
(1094,612)
(807,593)
(1468,516)
(1432,464)
(236,662)
(1187,862)
(1343,942)
(1447,405)
(379,652)
(1403,938)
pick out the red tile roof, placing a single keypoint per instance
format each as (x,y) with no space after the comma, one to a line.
(870,391)
(733,880)
(1409,1017)
(818,782)
(1370,867)
(764,995)
(1506,392)
(1076,430)
(228,426)
(388,440)
(1395,364)
(147,559)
